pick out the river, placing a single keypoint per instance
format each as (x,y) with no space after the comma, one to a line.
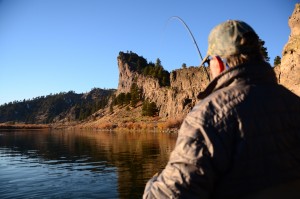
(80,163)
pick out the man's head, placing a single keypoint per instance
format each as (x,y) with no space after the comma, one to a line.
(235,41)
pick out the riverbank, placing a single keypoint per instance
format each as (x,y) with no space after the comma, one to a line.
(4,126)
(121,119)
(170,125)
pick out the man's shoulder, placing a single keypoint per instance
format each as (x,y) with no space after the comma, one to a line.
(222,97)
(218,104)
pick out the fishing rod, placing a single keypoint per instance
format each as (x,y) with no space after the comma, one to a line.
(193,38)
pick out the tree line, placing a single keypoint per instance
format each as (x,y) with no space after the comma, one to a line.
(141,66)
(46,109)
(132,98)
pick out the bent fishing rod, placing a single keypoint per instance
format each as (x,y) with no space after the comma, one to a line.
(194,41)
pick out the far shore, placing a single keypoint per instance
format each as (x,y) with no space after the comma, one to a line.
(170,125)
(6,126)
(23,126)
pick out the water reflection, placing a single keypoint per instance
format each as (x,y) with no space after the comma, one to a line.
(102,164)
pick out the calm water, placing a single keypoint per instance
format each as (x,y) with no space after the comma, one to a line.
(80,164)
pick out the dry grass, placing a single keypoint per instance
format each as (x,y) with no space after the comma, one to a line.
(134,124)
(131,120)
(23,126)
(171,123)
(105,125)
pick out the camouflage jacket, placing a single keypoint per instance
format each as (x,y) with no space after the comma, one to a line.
(242,137)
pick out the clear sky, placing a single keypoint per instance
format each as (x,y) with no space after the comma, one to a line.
(52,46)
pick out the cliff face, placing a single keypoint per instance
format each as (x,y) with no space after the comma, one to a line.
(289,70)
(175,100)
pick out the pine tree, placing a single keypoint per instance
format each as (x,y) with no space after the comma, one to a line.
(264,50)
(149,108)
(135,94)
(277,60)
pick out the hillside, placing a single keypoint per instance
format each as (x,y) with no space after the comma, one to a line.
(53,108)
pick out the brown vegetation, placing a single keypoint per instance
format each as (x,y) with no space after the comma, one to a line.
(23,126)
(131,119)
(170,124)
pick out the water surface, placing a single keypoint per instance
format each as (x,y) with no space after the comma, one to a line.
(80,164)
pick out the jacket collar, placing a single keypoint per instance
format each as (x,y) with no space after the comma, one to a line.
(254,72)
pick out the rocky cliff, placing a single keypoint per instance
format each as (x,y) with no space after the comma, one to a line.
(289,70)
(175,100)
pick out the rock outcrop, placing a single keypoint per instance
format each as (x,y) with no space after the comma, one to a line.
(289,70)
(175,100)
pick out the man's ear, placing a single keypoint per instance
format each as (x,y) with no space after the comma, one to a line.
(221,64)
(216,66)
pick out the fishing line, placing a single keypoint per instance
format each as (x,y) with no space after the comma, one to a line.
(194,41)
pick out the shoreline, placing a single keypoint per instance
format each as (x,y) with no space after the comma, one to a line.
(21,126)
(5,126)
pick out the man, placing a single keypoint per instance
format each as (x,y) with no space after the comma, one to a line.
(242,140)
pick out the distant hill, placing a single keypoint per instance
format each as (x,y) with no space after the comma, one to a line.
(56,107)
(145,91)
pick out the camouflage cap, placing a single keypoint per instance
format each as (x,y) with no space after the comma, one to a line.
(225,39)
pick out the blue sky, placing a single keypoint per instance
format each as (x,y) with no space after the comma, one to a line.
(52,46)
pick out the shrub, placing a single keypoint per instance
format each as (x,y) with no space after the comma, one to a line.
(149,108)
(170,123)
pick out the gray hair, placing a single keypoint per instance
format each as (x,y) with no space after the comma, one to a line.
(255,54)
